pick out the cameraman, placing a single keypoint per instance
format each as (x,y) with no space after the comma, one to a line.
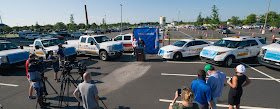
(60,53)
(55,65)
(36,78)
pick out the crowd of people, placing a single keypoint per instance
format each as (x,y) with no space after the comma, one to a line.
(206,92)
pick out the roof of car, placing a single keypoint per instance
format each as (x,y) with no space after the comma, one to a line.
(241,38)
(187,40)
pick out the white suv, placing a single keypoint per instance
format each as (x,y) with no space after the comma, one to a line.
(227,50)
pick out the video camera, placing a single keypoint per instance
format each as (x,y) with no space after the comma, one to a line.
(40,64)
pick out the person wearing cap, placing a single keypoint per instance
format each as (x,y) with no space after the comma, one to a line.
(236,84)
(202,91)
(216,82)
(55,64)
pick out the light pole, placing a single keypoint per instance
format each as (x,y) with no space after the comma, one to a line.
(178,17)
(263,31)
(121,18)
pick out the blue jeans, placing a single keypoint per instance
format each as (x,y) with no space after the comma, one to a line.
(215,100)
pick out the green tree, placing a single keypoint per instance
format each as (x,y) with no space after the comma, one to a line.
(25,28)
(104,25)
(93,26)
(59,25)
(48,26)
(82,26)
(71,26)
(15,28)
(215,15)
(199,20)
(251,19)
(235,20)
(37,26)
(206,20)
(7,28)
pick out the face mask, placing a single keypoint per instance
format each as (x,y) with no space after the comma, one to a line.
(208,73)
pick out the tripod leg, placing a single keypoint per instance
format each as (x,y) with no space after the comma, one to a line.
(74,83)
(52,87)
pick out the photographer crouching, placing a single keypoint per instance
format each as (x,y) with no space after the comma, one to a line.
(35,77)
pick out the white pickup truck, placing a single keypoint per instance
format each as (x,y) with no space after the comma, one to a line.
(97,45)
(126,39)
(11,55)
(42,46)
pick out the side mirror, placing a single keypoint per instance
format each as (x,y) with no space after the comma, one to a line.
(37,47)
(66,42)
(274,40)
(21,47)
(241,47)
(186,46)
(91,42)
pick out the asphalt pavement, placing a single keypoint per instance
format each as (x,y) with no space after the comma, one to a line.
(128,84)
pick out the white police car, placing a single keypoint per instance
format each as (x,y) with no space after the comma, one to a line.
(270,55)
(227,50)
(183,48)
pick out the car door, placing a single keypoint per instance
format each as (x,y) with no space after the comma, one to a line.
(199,46)
(83,46)
(254,48)
(92,48)
(242,50)
(39,50)
(127,43)
(189,49)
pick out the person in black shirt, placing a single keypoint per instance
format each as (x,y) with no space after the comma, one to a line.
(141,43)
(236,85)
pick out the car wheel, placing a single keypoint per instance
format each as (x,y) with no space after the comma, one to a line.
(104,56)
(228,61)
(177,56)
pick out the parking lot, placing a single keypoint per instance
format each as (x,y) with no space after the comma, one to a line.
(127,84)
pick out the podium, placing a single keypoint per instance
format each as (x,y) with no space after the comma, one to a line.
(140,54)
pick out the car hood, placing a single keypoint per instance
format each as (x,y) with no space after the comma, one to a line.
(12,51)
(110,43)
(170,48)
(56,47)
(218,49)
(273,47)
(15,55)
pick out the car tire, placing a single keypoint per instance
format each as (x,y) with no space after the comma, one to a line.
(104,56)
(228,61)
(177,56)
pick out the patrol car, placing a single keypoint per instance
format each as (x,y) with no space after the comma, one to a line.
(227,50)
(183,48)
(270,55)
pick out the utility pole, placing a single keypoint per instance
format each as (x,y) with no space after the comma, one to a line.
(263,31)
(121,18)
(86,14)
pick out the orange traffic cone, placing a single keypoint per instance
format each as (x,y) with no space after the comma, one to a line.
(253,34)
(273,37)
(239,33)
(206,35)
(242,29)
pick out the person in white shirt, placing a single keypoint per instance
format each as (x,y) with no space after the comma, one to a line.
(134,45)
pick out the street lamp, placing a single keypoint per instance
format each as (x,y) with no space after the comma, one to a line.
(121,18)
(263,31)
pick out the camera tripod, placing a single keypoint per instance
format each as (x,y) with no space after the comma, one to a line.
(67,78)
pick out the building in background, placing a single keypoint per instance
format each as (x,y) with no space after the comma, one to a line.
(162,21)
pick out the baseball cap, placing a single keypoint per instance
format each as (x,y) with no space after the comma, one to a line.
(240,68)
(208,67)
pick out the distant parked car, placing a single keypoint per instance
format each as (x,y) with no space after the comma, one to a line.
(99,31)
(46,36)
(223,30)
(76,34)
(57,36)
(202,28)
(32,36)
(63,33)
(247,26)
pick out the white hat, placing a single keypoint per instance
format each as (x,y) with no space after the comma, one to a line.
(241,68)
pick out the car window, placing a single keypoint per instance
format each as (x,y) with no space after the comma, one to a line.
(90,39)
(200,42)
(190,44)
(127,37)
(252,42)
(83,40)
(243,44)
(37,43)
(262,41)
(118,38)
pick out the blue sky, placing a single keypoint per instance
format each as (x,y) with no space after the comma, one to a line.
(28,12)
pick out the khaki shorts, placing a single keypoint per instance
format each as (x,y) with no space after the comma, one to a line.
(30,82)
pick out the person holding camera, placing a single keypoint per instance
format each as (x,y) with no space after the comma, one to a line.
(55,65)
(88,92)
(36,78)
(202,91)
(187,96)
(60,53)
(236,84)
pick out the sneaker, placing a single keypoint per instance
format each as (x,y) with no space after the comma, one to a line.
(32,97)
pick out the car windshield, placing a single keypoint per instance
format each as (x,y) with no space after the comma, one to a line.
(101,39)
(7,46)
(227,43)
(179,43)
(51,42)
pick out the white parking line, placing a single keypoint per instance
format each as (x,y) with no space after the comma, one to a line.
(261,72)
(186,34)
(186,62)
(4,84)
(186,75)
(219,105)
